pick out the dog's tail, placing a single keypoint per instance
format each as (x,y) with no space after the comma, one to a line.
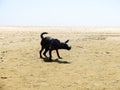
(43,34)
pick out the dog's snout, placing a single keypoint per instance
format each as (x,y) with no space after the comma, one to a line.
(69,48)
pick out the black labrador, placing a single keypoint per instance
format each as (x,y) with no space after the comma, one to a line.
(50,44)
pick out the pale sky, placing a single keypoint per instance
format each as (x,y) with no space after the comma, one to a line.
(60,12)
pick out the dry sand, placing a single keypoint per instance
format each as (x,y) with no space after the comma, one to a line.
(92,64)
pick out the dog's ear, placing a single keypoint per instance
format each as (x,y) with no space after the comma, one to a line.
(67,41)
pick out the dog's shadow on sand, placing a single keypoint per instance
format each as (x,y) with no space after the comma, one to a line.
(56,60)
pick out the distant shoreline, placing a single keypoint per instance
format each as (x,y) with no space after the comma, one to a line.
(56,29)
(59,26)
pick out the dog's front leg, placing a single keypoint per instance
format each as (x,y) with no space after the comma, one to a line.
(58,54)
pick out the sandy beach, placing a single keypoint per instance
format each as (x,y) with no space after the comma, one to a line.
(93,63)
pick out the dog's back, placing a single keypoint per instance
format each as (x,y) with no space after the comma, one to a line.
(48,42)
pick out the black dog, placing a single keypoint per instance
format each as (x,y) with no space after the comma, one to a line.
(50,44)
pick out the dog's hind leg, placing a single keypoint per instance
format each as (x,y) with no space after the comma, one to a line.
(41,52)
(46,50)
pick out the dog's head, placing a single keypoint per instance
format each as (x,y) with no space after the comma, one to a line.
(64,45)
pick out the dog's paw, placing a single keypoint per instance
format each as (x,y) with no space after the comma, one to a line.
(41,57)
(50,60)
(60,58)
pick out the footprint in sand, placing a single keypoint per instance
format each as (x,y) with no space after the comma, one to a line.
(3,77)
(1,59)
